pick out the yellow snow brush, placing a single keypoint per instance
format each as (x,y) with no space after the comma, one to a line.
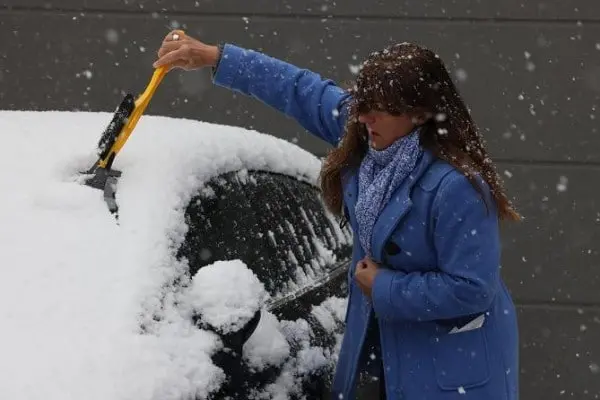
(114,137)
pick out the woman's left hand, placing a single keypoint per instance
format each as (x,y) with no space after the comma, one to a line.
(179,50)
(366,269)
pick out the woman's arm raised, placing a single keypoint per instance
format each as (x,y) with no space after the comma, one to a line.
(318,104)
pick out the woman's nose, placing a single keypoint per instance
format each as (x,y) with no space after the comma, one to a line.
(366,119)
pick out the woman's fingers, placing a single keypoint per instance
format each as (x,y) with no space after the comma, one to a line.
(170,58)
(168,47)
(174,35)
(360,265)
(180,50)
(174,50)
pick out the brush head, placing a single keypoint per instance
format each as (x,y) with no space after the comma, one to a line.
(114,128)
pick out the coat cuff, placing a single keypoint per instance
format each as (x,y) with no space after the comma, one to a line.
(230,65)
(381,292)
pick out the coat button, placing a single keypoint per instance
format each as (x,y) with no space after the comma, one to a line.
(391,248)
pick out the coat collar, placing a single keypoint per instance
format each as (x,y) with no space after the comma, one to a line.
(396,208)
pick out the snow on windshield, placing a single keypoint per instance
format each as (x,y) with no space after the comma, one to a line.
(88,305)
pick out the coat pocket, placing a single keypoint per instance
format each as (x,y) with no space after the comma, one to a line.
(461,360)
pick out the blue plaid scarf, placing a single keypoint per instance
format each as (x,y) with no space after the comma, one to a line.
(381,173)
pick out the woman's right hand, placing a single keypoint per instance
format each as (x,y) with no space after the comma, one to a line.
(179,50)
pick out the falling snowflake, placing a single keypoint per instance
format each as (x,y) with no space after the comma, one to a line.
(561,186)
(354,68)
(85,73)
(112,36)
(461,75)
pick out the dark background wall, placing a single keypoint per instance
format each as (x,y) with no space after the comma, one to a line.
(530,71)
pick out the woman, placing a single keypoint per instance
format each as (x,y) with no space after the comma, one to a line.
(410,173)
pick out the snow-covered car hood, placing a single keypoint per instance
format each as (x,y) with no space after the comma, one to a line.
(75,285)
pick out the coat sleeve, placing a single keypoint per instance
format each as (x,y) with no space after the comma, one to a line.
(317,104)
(467,277)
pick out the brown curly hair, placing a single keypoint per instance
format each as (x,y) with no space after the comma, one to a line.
(409,79)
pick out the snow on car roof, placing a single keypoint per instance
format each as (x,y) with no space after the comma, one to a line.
(75,286)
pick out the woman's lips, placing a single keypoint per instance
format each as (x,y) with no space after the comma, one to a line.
(372,132)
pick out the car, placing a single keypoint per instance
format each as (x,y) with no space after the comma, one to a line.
(222,276)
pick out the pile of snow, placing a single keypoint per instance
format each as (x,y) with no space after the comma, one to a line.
(226,294)
(94,309)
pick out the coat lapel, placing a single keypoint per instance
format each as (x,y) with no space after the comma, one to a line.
(396,208)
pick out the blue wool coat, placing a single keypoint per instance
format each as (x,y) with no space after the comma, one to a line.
(439,250)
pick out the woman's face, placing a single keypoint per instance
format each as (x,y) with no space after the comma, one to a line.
(385,128)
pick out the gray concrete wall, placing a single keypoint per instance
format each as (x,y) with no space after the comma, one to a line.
(530,71)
